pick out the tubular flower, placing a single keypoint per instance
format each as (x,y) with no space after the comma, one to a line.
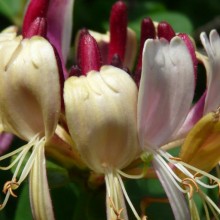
(210,100)
(166,75)
(101,116)
(30,104)
(165,96)
(167,72)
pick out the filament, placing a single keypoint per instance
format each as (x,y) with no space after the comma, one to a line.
(22,152)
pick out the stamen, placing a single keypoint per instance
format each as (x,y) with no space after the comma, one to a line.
(118,30)
(117,212)
(127,197)
(141,175)
(176,158)
(211,204)
(182,167)
(186,183)
(173,177)
(10,186)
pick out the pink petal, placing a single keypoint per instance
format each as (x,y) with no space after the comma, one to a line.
(5,141)
(166,90)
(59,17)
(192,118)
(212,47)
(176,198)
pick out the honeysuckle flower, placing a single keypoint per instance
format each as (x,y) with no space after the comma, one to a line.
(101,116)
(58,18)
(29,107)
(31,98)
(210,100)
(168,71)
(165,96)
(163,103)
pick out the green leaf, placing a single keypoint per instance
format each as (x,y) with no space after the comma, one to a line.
(178,21)
(12,9)
(23,209)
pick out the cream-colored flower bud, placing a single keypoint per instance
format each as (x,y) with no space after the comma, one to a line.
(29,87)
(101,116)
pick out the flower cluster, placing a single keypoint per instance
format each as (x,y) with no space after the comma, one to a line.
(109,109)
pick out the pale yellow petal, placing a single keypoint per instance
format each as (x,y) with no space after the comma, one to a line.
(101,116)
(29,87)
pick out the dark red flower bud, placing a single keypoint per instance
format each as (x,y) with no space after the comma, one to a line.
(147,32)
(37,27)
(118,30)
(164,30)
(89,57)
(36,9)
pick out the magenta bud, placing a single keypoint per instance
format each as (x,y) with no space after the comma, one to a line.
(147,31)
(192,52)
(36,9)
(118,30)
(38,27)
(89,57)
(5,141)
(164,30)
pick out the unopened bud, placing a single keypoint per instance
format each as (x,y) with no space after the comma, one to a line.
(101,116)
(164,30)
(118,30)
(89,57)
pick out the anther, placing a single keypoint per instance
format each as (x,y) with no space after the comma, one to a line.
(176,158)
(196,175)
(117,212)
(188,182)
(10,186)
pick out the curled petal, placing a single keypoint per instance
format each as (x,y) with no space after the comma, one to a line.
(101,116)
(41,204)
(194,115)
(176,198)
(166,90)
(59,18)
(212,47)
(29,87)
